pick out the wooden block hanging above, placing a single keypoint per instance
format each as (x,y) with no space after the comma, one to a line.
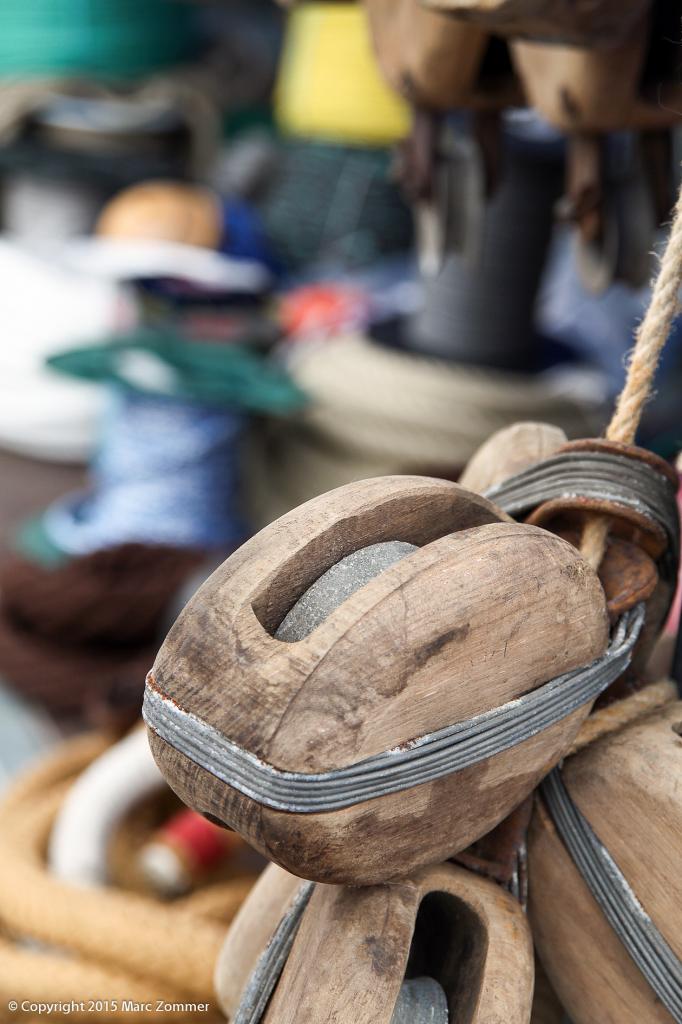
(435,60)
(584,89)
(587,22)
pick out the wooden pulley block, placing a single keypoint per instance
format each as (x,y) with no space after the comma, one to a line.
(369,684)
(579,88)
(428,57)
(642,556)
(530,470)
(605,887)
(587,22)
(584,89)
(441,944)
(436,61)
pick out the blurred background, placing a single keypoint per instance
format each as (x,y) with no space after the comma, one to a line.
(248,254)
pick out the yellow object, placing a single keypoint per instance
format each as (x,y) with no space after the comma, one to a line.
(329,84)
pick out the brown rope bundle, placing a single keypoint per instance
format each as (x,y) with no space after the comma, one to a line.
(80,637)
(103,943)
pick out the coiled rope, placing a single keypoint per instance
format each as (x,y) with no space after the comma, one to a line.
(104,943)
(375,410)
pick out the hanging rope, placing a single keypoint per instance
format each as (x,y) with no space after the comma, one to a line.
(651,337)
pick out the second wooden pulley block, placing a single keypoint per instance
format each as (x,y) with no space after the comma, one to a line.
(440,945)
(377,679)
(585,22)
(437,61)
(632,83)
(604,881)
(562,485)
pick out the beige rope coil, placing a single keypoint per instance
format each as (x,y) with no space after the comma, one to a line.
(101,943)
(376,410)
(650,340)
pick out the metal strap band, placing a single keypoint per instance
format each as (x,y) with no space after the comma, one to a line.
(633,926)
(270,963)
(599,475)
(423,759)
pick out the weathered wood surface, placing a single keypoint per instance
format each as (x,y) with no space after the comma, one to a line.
(508,452)
(627,786)
(471,620)
(581,89)
(249,934)
(354,945)
(587,22)
(434,60)
(428,57)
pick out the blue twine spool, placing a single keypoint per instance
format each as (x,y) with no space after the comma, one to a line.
(166,473)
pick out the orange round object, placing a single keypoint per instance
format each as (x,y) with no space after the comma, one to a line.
(165,211)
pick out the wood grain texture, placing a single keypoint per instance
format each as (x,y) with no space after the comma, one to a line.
(580,89)
(627,786)
(508,452)
(471,620)
(249,934)
(584,22)
(434,60)
(355,946)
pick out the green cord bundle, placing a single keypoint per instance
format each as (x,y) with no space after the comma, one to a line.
(109,39)
(163,363)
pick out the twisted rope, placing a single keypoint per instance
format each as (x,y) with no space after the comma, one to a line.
(651,337)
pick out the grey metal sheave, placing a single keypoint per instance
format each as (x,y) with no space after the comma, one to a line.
(631,923)
(424,759)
